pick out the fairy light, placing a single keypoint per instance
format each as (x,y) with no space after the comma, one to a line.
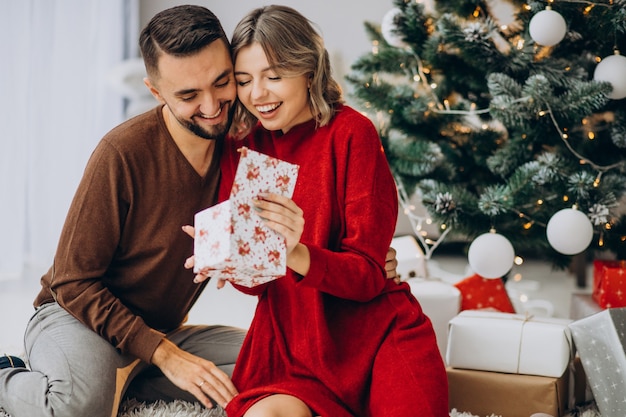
(518,260)
(591,136)
(596,182)
(539,202)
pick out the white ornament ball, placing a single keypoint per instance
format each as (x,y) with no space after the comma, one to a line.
(569,231)
(547,27)
(491,255)
(388,27)
(613,69)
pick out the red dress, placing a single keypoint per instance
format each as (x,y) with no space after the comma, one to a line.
(344,339)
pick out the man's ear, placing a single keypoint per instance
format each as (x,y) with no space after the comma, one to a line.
(153,90)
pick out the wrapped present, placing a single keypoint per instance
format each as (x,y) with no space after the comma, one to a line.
(231,241)
(479,293)
(609,283)
(582,305)
(484,393)
(600,341)
(441,302)
(505,342)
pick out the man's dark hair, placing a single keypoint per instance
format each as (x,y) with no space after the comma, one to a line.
(178,31)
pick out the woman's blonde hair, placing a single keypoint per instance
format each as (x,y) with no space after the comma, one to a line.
(293,47)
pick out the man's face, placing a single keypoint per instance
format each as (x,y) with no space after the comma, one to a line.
(199,90)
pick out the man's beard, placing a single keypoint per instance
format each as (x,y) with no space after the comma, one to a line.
(216,132)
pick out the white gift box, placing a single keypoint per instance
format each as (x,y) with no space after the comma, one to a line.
(509,343)
(441,302)
(231,240)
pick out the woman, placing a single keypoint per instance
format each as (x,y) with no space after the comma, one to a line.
(333,337)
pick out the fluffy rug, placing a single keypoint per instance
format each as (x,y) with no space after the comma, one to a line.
(184,409)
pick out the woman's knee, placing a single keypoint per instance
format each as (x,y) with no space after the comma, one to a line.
(279,405)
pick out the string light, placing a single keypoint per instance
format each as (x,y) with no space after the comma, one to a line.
(596,182)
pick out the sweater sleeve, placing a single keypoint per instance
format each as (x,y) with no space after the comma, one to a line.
(352,266)
(87,245)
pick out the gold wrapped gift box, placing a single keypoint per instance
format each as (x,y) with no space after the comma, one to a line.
(483,393)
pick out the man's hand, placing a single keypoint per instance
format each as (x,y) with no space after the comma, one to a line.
(391,263)
(200,377)
(189,263)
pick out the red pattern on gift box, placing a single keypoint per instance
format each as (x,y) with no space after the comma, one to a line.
(253,171)
(260,235)
(479,293)
(609,283)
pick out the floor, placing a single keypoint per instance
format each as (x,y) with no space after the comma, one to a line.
(532,282)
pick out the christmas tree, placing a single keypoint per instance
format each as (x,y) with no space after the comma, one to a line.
(505,116)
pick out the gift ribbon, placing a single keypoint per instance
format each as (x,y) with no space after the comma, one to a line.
(526,319)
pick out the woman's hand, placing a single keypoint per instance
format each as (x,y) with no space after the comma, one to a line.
(282,215)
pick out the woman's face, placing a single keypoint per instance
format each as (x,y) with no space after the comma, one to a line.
(278,103)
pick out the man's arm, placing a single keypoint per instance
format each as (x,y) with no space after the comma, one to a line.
(391,263)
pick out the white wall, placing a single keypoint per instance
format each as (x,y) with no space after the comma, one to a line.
(340,22)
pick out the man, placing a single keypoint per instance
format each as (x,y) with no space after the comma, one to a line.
(109,317)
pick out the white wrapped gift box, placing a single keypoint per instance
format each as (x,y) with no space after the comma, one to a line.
(509,343)
(441,302)
(231,240)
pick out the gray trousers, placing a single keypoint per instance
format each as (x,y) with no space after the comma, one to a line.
(74,372)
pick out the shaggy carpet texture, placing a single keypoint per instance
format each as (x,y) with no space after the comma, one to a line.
(133,408)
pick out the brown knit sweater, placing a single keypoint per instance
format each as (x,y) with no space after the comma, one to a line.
(119,264)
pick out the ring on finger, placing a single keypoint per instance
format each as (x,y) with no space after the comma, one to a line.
(201,384)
